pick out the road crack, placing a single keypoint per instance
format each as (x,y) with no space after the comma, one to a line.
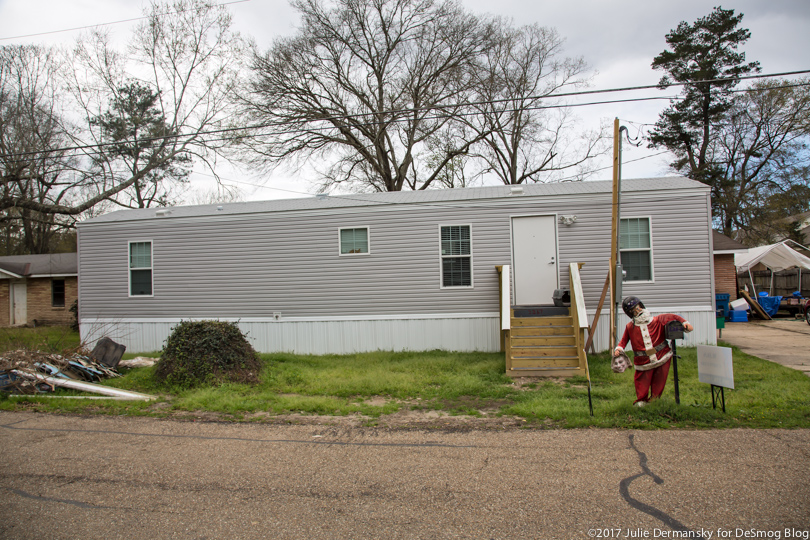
(624,489)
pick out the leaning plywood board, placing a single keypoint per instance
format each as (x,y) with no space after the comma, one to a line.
(755,306)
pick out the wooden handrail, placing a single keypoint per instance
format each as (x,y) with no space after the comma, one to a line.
(577,296)
(505,309)
(579,316)
(504,296)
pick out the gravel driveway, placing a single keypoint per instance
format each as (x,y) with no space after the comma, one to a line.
(784,341)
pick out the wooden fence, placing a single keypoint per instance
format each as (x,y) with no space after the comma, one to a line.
(777,283)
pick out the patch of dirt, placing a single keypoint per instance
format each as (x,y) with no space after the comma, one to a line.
(530,383)
(376,401)
(404,419)
(163,405)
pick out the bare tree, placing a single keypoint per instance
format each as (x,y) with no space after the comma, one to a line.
(526,133)
(133,129)
(218,195)
(761,158)
(186,57)
(363,87)
(184,54)
(31,127)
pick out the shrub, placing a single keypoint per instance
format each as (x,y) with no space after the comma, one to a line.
(207,352)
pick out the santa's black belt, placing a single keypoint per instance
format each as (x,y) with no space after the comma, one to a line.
(658,348)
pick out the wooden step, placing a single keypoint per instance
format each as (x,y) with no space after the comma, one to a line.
(542,331)
(545,363)
(545,372)
(543,351)
(552,340)
(518,322)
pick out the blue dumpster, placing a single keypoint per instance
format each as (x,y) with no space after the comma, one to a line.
(721,301)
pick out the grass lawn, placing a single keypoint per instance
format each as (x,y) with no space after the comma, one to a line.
(375,385)
(51,339)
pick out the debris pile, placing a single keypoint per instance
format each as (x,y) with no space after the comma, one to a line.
(29,372)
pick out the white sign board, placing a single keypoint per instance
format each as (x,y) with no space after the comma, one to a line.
(715,366)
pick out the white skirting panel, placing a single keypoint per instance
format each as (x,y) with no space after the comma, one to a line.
(705,332)
(321,337)
(350,336)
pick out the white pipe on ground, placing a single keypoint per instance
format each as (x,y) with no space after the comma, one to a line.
(116,393)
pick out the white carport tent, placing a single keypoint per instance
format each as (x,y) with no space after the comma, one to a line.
(776,257)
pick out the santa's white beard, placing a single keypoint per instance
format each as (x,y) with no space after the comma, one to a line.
(643,318)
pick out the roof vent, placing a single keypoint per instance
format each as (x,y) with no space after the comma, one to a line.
(517,190)
(162,212)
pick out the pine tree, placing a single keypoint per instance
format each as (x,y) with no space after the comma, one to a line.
(706,50)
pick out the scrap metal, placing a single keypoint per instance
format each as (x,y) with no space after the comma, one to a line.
(34,372)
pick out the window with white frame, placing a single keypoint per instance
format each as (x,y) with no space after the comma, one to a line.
(635,246)
(354,241)
(456,256)
(140,268)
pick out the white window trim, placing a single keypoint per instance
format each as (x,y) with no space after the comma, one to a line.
(368,238)
(652,254)
(442,257)
(151,268)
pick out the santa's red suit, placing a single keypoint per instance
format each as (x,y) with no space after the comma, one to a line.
(652,355)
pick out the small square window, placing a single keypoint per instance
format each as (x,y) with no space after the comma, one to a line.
(354,241)
(58,292)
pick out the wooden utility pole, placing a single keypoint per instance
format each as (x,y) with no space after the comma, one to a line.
(614,234)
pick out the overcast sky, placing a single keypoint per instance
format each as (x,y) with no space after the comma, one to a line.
(618,39)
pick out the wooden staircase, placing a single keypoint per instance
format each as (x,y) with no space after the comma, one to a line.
(544,341)
(542,346)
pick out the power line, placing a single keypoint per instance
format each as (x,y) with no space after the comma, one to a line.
(737,91)
(611,166)
(109,23)
(401,111)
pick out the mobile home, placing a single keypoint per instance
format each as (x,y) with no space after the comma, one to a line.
(409,270)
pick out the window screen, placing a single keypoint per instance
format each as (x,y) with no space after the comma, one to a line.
(456,254)
(635,245)
(140,269)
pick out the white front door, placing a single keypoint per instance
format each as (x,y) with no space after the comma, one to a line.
(534,259)
(19,303)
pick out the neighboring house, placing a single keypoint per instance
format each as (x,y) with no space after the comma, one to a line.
(725,273)
(411,270)
(38,289)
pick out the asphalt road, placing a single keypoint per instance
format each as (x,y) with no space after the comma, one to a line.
(142,478)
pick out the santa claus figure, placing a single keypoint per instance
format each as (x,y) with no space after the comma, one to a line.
(645,334)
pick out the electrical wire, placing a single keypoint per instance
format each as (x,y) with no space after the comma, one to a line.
(254,127)
(111,22)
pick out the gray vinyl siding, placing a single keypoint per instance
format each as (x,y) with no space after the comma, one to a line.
(254,264)
(681,250)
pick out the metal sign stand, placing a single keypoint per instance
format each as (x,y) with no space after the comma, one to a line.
(718,394)
(672,331)
(675,371)
(716,368)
